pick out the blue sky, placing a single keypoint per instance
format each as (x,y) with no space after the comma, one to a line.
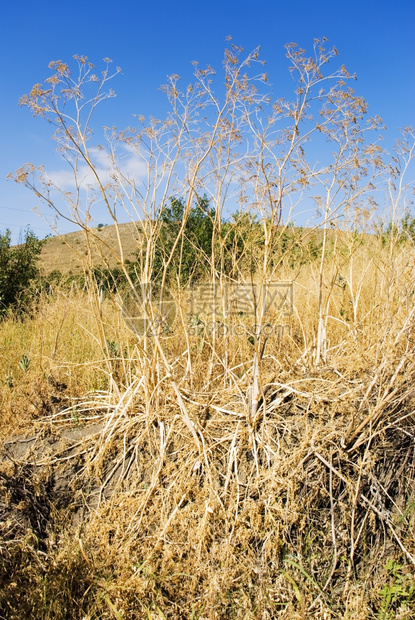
(151,40)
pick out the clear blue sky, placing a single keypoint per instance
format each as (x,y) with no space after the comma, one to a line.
(153,39)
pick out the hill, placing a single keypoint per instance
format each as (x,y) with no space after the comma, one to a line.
(67,253)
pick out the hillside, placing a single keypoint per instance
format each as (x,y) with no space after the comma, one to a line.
(67,253)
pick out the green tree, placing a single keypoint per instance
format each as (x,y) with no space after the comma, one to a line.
(18,268)
(189,259)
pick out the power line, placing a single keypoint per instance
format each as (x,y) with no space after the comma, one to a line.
(15,209)
(23,226)
(20,226)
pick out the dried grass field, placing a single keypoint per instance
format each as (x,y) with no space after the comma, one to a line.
(141,481)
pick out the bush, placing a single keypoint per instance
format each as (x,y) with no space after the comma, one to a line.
(399,232)
(18,268)
(189,258)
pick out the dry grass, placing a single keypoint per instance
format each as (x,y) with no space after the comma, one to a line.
(153,489)
(66,253)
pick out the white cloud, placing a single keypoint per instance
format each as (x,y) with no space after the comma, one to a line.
(129,164)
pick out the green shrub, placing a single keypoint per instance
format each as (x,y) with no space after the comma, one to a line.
(18,268)
(189,258)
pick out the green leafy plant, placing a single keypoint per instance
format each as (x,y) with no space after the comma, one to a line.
(113,348)
(24,363)
(9,381)
(399,592)
(18,268)
(184,253)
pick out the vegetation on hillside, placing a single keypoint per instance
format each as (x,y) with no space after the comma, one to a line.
(18,269)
